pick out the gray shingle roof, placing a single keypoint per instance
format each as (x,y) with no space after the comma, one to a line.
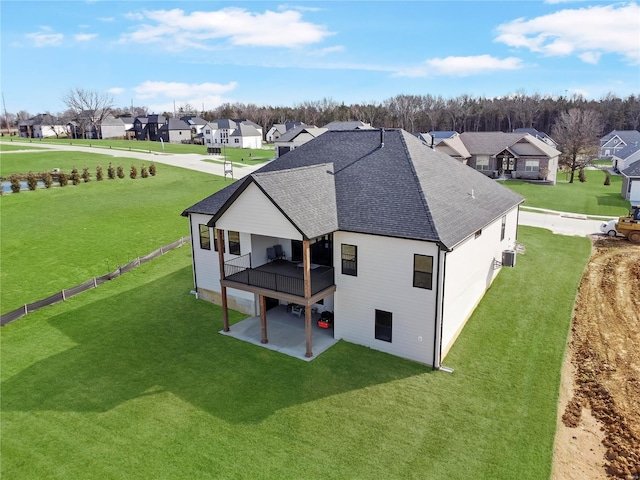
(632,170)
(403,189)
(351,125)
(628,150)
(175,124)
(245,130)
(627,136)
(292,133)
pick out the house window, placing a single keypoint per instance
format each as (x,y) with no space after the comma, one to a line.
(482,163)
(208,140)
(205,237)
(423,271)
(349,260)
(384,324)
(504,227)
(478,233)
(215,240)
(237,140)
(234,243)
(207,131)
(531,165)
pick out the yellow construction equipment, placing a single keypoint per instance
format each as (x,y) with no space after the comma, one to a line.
(629,226)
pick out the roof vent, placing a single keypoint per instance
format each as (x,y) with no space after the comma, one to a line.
(382,138)
(473,194)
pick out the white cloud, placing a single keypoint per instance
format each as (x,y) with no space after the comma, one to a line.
(84,37)
(180,91)
(587,32)
(460,66)
(45,38)
(176,30)
(106,19)
(325,51)
(299,8)
(115,90)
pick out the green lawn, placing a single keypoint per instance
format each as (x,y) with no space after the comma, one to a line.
(233,154)
(589,198)
(132,380)
(7,147)
(58,238)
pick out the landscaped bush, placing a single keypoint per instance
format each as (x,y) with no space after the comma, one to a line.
(607,177)
(47,179)
(75,176)
(111,172)
(99,173)
(144,172)
(63,179)
(15,183)
(134,172)
(120,171)
(86,176)
(152,169)
(581,176)
(32,181)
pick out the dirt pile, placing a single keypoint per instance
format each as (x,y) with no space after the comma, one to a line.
(605,342)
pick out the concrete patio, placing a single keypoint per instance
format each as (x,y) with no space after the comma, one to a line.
(285,332)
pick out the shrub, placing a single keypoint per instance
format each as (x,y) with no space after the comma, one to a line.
(581,176)
(63,179)
(134,172)
(15,183)
(86,176)
(32,181)
(75,176)
(120,172)
(47,179)
(144,172)
(152,169)
(607,177)
(99,173)
(111,172)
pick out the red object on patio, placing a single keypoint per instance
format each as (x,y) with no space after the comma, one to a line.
(326,320)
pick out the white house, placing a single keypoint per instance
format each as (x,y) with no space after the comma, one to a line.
(231,133)
(398,240)
(43,125)
(626,156)
(631,183)
(175,130)
(112,127)
(279,129)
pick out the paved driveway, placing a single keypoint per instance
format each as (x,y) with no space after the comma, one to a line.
(557,223)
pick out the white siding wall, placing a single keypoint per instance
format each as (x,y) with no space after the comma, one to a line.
(385,282)
(254,213)
(469,272)
(112,131)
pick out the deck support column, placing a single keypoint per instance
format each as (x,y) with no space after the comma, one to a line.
(263,318)
(306,262)
(223,289)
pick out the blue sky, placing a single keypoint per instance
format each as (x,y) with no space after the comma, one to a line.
(206,53)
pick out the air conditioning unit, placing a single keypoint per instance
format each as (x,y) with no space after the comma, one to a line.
(509,258)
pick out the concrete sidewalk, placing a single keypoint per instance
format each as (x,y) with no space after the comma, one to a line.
(192,161)
(562,225)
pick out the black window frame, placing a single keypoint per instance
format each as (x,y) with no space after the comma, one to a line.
(205,236)
(234,246)
(384,326)
(349,266)
(215,240)
(420,276)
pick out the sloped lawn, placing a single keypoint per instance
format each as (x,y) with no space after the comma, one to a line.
(132,380)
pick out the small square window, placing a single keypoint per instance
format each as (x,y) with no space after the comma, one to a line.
(384,325)
(423,271)
(205,237)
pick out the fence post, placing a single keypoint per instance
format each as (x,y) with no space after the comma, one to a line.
(161,250)
(95,283)
(64,297)
(25,309)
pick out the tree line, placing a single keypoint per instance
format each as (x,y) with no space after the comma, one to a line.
(414,113)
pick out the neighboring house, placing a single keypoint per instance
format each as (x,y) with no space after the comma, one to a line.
(398,240)
(42,125)
(175,130)
(539,135)
(196,123)
(631,183)
(616,140)
(296,137)
(438,135)
(279,129)
(453,146)
(112,127)
(147,127)
(625,156)
(233,133)
(515,155)
(350,125)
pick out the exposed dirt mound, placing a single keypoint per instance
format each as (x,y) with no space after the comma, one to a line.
(605,347)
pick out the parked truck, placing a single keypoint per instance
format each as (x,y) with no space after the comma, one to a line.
(629,226)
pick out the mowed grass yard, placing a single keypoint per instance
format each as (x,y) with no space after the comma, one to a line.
(57,238)
(239,155)
(589,198)
(132,380)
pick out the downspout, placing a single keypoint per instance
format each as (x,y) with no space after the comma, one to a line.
(193,256)
(437,333)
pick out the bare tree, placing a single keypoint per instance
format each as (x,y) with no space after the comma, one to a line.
(90,107)
(577,133)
